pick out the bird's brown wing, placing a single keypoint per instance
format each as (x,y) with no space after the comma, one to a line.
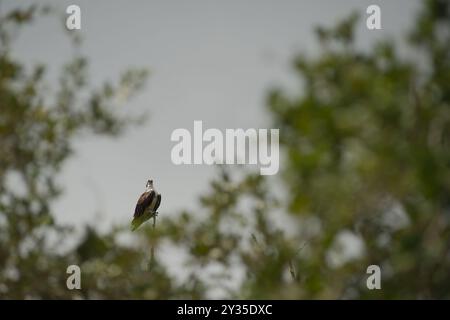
(158,201)
(143,203)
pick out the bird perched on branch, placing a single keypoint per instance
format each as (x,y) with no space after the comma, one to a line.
(146,206)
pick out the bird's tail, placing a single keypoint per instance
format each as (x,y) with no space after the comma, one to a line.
(136,223)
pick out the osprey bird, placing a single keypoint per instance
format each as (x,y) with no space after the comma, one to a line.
(146,206)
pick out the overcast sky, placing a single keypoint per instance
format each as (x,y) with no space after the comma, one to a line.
(209,60)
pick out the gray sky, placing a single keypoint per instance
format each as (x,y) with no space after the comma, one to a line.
(209,60)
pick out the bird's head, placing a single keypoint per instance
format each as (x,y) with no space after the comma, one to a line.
(149,184)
